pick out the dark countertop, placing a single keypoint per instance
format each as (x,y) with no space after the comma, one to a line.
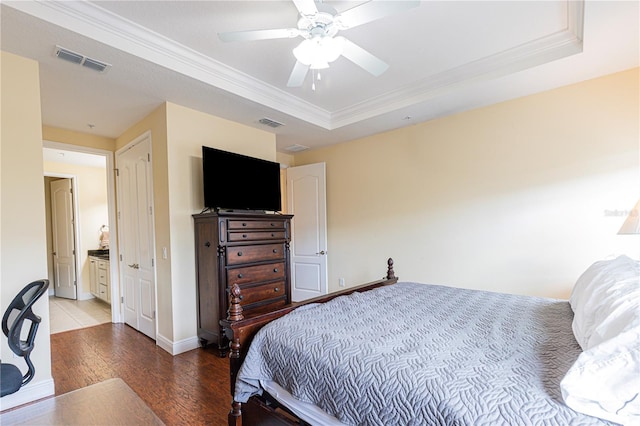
(101,253)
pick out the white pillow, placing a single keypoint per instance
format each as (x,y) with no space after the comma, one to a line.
(605,380)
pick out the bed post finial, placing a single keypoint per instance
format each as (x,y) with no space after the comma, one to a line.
(390,273)
(235,309)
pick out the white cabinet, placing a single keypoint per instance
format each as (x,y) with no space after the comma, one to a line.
(100,280)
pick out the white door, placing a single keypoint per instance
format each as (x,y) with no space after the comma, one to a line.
(64,251)
(306,201)
(136,238)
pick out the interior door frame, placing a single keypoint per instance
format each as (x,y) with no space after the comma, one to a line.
(116,306)
(76,226)
(129,145)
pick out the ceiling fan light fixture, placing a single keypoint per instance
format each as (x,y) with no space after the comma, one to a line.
(318,52)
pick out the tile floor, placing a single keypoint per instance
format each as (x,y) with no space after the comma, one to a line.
(66,314)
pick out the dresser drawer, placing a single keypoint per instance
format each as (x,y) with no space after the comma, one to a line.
(248,254)
(256,235)
(102,277)
(256,224)
(272,271)
(103,264)
(264,306)
(252,294)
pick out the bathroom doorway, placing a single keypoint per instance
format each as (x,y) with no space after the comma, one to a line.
(97,294)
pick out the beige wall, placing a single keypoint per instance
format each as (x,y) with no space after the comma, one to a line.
(23,255)
(177,135)
(91,197)
(88,140)
(510,197)
(187,131)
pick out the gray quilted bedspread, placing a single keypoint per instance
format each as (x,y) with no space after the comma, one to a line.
(417,354)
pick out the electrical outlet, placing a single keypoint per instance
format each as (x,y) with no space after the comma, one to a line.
(341,282)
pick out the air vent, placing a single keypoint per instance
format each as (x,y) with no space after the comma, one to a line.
(68,55)
(269,122)
(79,59)
(296,148)
(95,65)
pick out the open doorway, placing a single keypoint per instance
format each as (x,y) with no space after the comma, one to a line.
(89,173)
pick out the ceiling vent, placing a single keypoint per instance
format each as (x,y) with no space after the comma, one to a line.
(79,59)
(296,148)
(269,122)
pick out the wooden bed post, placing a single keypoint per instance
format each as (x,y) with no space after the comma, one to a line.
(235,314)
(390,273)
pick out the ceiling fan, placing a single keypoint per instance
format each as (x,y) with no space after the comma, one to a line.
(319,25)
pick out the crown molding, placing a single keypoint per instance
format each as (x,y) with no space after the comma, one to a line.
(533,53)
(99,24)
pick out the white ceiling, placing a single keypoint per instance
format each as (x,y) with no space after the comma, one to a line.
(444,57)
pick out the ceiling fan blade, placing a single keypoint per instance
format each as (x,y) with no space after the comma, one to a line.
(371,11)
(298,74)
(251,35)
(362,58)
(306,7)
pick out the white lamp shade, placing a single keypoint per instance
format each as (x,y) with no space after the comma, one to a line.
(317,52)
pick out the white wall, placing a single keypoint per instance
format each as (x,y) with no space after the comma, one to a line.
(23,255)
(510,197)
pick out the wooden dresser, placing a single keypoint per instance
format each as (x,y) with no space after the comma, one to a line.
(250,249)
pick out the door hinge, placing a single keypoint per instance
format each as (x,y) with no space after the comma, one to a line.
(150,211)
(120,258)
(119,216)
(148,157)
(154,314)
(117,172)
(152,263)
(121,299)
(74,252)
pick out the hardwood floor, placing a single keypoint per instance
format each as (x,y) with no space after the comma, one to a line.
(187,389)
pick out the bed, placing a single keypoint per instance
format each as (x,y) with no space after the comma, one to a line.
(402,353)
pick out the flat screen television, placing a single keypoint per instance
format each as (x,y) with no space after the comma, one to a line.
(239,182)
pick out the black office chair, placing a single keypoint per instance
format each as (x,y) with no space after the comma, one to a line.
(12,323)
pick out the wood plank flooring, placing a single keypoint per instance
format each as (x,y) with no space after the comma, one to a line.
(187,389)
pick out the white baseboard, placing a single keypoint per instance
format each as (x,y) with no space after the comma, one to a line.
(29,393)
(85,296)
(175,348)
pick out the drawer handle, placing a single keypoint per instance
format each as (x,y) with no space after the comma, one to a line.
(244,224)
(275,250)
(239,275)
(207,244)
(276,289)
(273,224)
(275,269)
(244,235)
(239,253)
(273,235)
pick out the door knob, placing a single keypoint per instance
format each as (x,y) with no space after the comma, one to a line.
(322,252)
